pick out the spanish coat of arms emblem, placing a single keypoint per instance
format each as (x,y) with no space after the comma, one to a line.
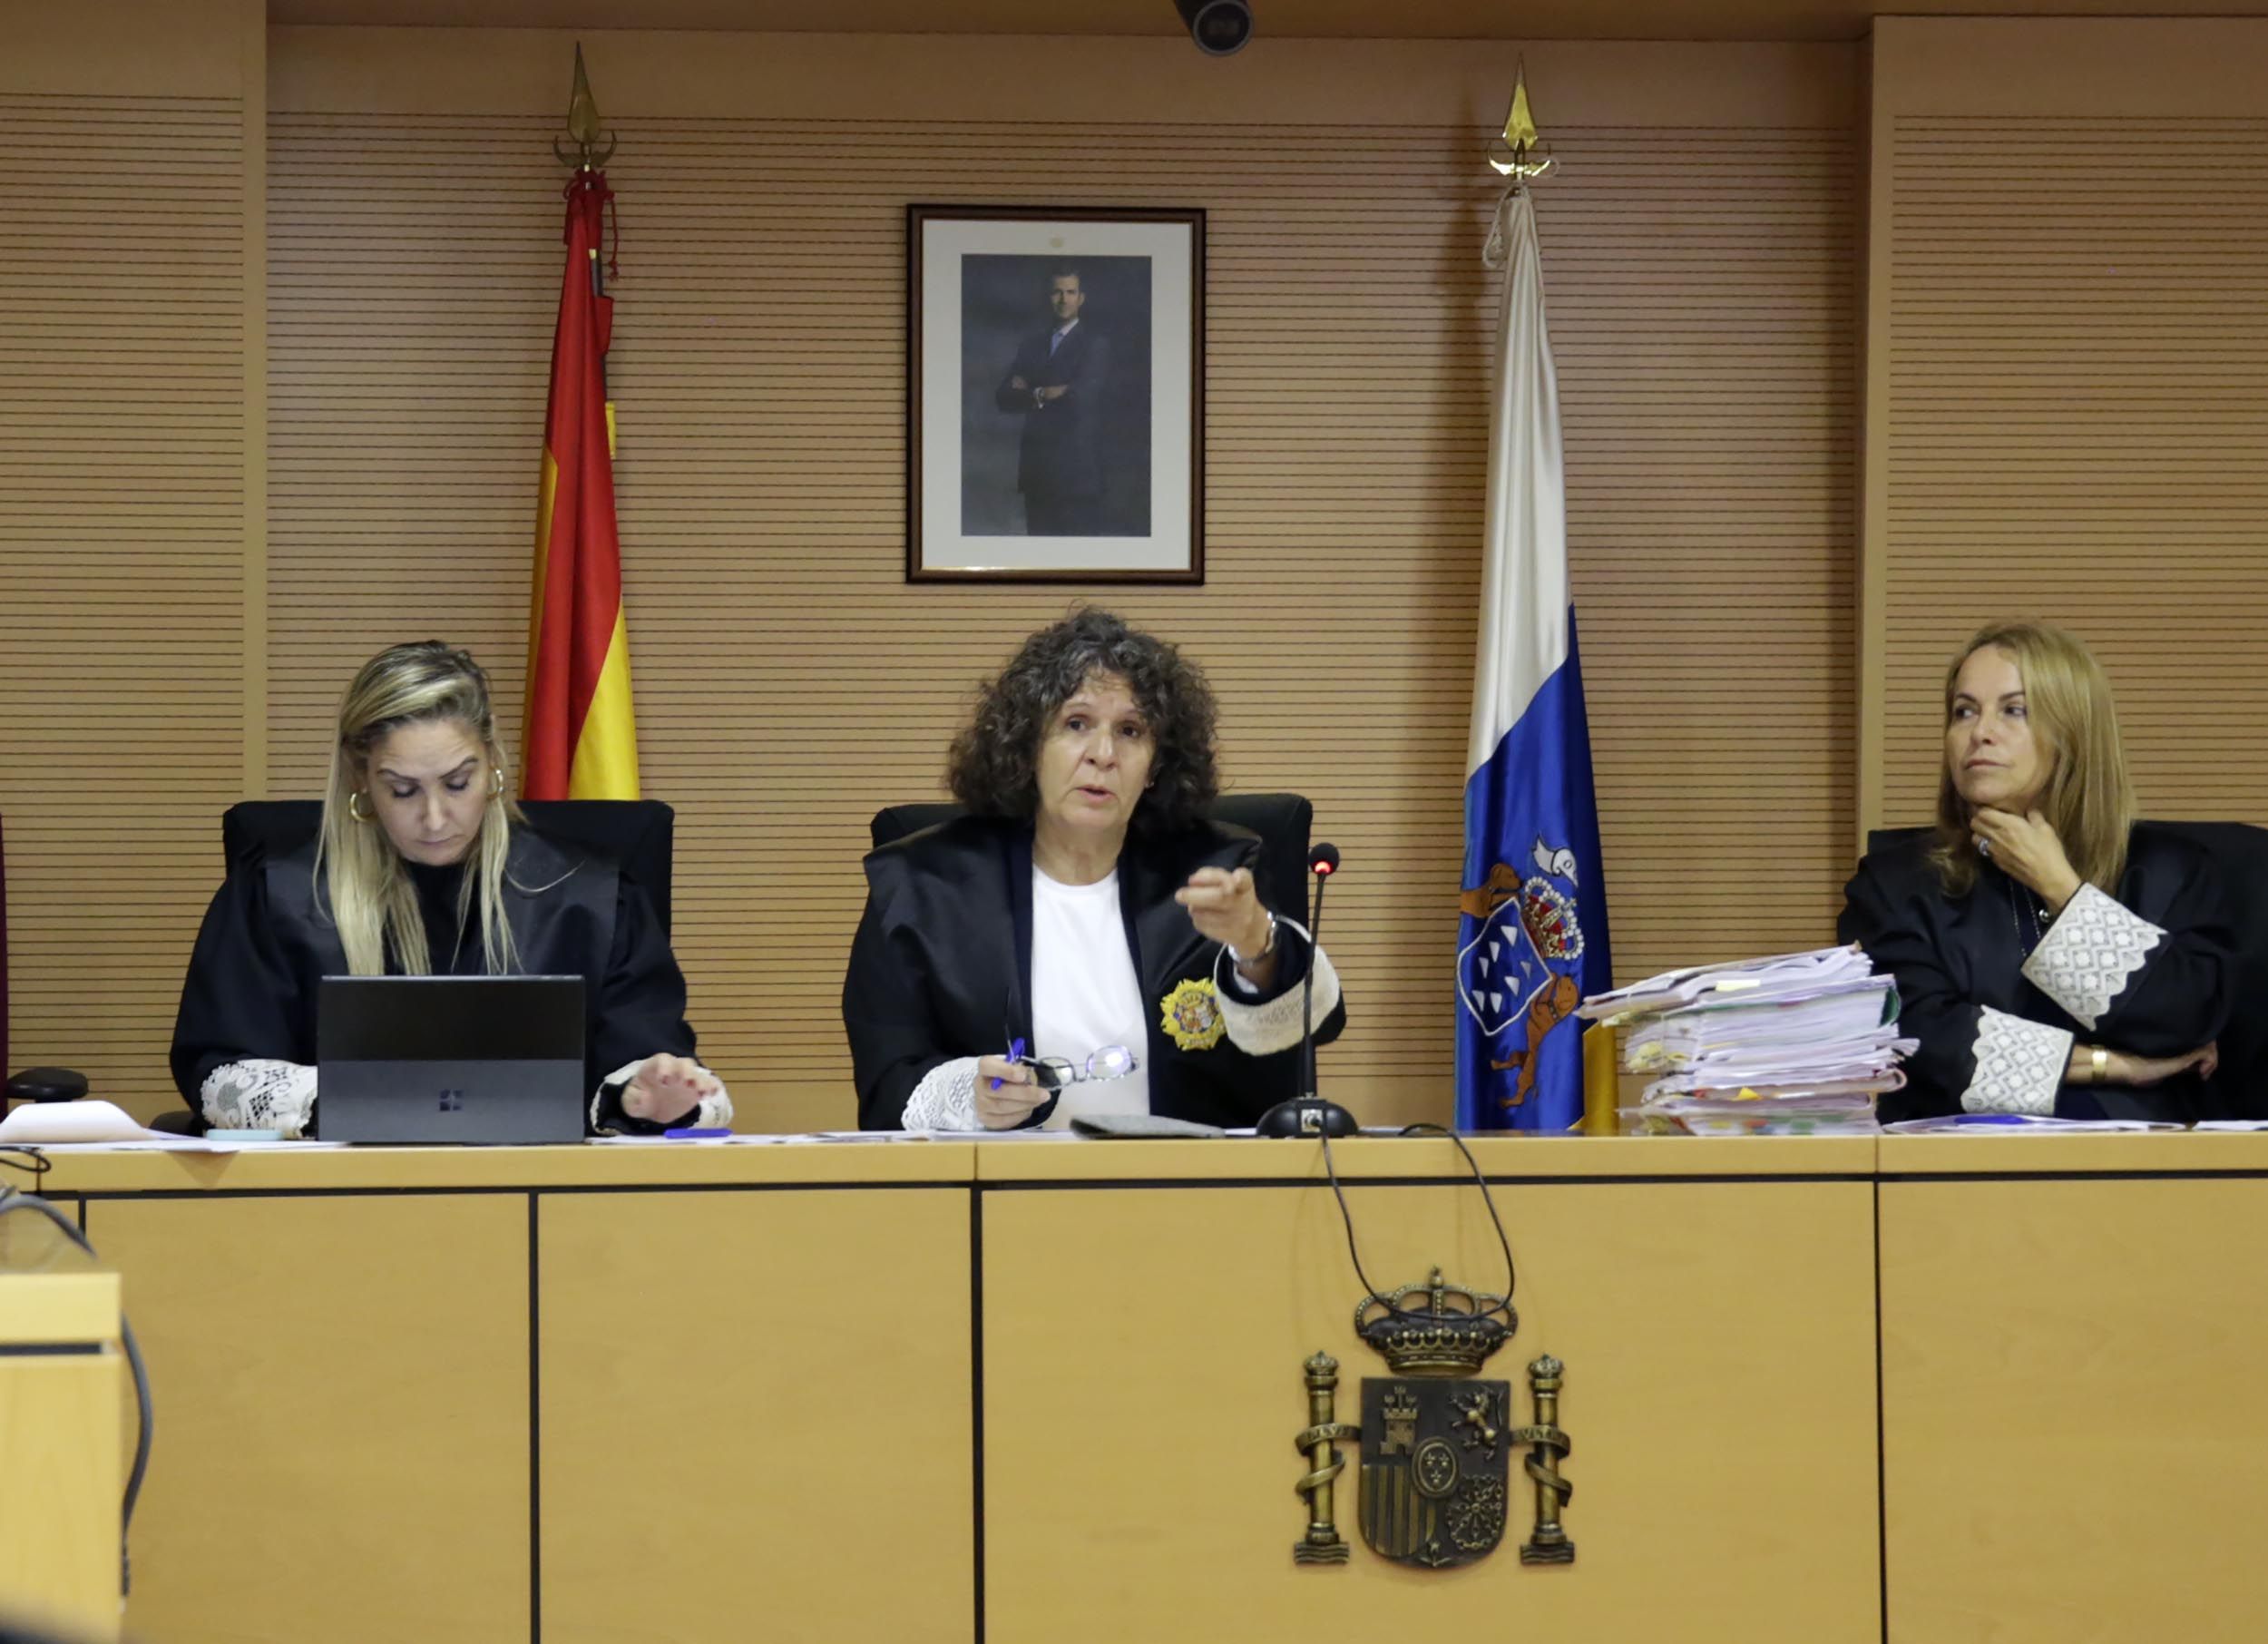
(1436,1438)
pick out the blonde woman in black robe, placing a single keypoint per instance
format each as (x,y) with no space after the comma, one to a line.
(2052,954)
(423,867)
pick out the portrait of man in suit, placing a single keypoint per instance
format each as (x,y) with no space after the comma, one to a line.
(1058,382)
(1056,396)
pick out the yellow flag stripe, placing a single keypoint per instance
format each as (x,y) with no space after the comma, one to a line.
(605,765)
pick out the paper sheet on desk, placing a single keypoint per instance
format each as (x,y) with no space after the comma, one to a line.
(675,1141)
(82,1120)
(2019,1124)
(855,1137)
(758,1139)
(180,1144)
(84,1125)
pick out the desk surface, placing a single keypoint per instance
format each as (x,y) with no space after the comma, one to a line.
(1010,1161)
(678,1166)
(884,1163)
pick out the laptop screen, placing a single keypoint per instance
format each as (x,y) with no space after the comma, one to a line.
(418,1059)
(449,1019)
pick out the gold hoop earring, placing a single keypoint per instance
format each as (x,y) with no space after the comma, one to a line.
(354,806)
(496,782)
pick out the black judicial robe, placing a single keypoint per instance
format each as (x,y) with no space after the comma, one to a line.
(940,967)
(1952,956)
(250,990)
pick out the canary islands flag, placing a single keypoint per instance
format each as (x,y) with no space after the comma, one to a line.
(1532,937)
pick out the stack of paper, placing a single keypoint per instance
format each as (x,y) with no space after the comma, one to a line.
(1796,1044)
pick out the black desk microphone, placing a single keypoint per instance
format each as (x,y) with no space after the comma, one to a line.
(1309,1114)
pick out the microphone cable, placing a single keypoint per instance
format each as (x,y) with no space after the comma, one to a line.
(1504,1302)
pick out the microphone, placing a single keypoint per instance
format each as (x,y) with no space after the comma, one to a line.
(1307,1114)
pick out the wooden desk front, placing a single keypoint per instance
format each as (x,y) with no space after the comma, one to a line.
(574,1394)
(611,1394)
(2075,1438)
(1147,1310)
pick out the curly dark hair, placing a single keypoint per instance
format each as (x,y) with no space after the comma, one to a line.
(994,768)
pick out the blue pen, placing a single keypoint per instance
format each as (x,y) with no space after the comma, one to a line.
(695,1133)
(1015,1053)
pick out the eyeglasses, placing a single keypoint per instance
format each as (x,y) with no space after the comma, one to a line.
(1053,1072)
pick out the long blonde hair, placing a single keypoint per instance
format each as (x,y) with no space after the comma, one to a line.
(2088,799)
(372,900)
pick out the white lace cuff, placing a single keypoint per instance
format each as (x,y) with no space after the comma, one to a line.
(2021,1065)
(261,1093)
(2090,952)
(710,1113)
(945,1100)
(1262,1030)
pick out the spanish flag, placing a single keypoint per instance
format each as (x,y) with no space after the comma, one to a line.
(581,737)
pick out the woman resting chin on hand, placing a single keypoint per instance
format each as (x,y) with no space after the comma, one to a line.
(2052,954)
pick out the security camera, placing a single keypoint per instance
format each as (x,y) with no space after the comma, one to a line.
(1218,26)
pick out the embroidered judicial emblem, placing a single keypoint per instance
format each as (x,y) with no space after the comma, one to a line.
(1191,1013)
(1436,1440)
(1516,975)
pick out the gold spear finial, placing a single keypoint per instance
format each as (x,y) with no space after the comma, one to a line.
(582,125)
(1519,125)
(1524,153)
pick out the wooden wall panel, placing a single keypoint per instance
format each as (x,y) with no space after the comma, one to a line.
(789,682)
(413,282)
(1703,300)
(123,549)
(2072,408)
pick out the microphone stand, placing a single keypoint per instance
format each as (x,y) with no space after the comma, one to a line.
(1307,984)
(1304,1114)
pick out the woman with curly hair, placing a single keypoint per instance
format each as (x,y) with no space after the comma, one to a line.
(1083,941)
(2053,955)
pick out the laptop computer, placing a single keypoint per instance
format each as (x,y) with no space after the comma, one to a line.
(442,1059)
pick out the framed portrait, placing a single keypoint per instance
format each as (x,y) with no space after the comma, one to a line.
(1055,394)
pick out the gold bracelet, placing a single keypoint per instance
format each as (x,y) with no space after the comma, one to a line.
(2097,1064)
(1267,947)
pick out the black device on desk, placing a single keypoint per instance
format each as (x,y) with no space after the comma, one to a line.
(1306,1116)
(442,1059)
